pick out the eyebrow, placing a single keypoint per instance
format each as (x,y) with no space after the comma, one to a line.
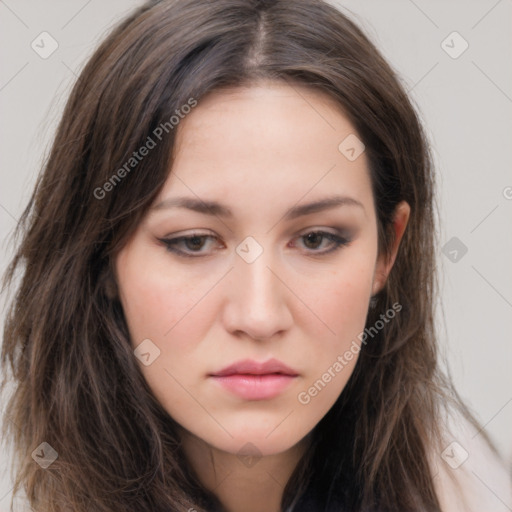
(220,210)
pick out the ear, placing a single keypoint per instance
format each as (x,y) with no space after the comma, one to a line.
(385,261)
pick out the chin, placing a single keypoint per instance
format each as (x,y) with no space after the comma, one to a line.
(257,441)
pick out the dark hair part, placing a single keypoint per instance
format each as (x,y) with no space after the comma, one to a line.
(78,385)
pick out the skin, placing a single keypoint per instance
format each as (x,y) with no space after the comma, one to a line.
(258,150)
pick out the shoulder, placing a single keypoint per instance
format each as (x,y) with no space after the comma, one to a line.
(468,475)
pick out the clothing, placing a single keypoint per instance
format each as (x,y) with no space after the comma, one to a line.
(481,483)
(467,475)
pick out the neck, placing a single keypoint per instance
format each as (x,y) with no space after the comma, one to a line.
(243,483)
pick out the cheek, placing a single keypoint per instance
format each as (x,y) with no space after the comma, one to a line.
(165,307)
(334,347)
(156,301)
(147,304)
(343,300)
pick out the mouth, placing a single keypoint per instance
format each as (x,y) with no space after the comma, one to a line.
(251,380)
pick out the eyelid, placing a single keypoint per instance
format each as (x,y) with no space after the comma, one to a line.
(176,238)
(340,237)
(333,230)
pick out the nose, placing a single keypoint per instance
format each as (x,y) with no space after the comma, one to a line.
(258,302)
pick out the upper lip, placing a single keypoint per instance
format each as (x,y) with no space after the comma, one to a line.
(250,367)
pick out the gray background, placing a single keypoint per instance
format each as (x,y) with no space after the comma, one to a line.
(466,105)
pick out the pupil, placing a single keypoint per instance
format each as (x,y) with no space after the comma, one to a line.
(194,243)
(313,237)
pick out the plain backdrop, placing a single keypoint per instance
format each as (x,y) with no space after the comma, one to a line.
(462,85)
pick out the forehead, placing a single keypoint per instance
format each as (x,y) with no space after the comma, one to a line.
(266,106)
(268,142)
(263,110)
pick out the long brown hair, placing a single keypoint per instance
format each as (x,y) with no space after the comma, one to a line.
(78,386)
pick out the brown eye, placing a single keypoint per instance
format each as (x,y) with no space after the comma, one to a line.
(314,240)
(194,243)
(188,246)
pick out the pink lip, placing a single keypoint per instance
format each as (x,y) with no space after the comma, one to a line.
(250,367)
(256,381)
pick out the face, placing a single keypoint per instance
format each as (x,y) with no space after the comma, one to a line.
(260,248)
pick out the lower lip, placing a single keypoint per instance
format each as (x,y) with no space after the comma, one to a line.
(255,387)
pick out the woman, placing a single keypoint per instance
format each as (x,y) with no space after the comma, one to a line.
(228,278)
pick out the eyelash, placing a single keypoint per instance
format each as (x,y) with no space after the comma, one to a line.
(171,243)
